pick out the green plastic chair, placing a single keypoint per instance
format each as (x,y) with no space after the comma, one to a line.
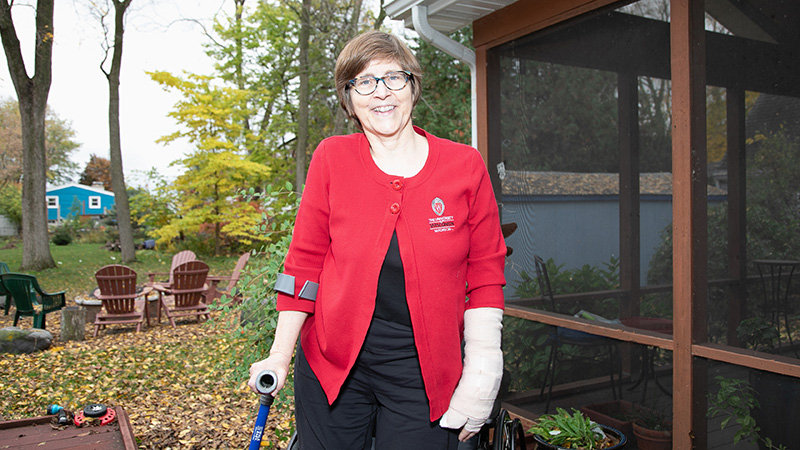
(4,269)
(30,299)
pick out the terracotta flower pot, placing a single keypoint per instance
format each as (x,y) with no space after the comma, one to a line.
(647,439)
(617,414)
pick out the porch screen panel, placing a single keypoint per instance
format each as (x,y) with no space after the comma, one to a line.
(558,134)
(753,126)
(559,171)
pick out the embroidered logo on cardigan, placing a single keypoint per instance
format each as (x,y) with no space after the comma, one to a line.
(439,224)
(437,205)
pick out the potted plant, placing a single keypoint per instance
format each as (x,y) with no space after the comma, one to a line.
(564,431)
(653,431)
(634,420)
(618,414)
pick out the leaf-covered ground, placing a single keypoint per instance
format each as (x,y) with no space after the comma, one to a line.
(174,383)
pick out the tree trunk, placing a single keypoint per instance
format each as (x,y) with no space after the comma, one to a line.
(381,16)
(32,95)
(302,106)
(241,80)
(340,118)
(115,142)
(73,323)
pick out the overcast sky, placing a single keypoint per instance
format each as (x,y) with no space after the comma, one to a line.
(160,35)
(155,39)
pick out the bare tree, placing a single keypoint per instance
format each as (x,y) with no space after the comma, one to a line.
(115,143)
(32,95)
(302,107)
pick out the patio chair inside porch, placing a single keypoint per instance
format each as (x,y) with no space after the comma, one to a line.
(560,337)
(121,302)
(777,299)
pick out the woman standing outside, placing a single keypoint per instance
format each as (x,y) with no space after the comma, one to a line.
(397,256)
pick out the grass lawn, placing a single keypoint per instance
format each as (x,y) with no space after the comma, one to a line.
(77,263)
(175,383)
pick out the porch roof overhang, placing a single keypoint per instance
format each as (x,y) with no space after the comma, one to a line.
(445,16)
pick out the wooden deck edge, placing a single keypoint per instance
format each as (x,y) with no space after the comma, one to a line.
(125,428)
(25,422)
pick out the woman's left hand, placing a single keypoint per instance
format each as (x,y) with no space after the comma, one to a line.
(466,435)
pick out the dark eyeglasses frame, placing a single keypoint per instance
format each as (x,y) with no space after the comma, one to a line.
(352,83)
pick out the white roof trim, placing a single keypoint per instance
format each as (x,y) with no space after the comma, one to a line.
(445,16)
(52,189)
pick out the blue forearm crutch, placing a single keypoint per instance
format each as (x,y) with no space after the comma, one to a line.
(266,382)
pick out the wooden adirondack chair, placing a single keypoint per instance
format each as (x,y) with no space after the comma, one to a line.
(178,259)
(30,299)
(4,269)
(117,291)
(188,290)
(215,293)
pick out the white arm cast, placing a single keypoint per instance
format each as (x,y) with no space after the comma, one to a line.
(474,396)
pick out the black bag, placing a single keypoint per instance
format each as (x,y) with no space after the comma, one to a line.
(502,433)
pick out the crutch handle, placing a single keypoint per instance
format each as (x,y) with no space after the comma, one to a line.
(266,383)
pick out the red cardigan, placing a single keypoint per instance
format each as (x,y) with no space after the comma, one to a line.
(448,231)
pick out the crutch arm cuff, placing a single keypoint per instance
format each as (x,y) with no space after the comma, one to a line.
(309,291)
(285,284)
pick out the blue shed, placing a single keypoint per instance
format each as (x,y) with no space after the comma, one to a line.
(87,201)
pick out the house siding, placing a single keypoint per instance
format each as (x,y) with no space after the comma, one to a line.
(556,227)
(78,195)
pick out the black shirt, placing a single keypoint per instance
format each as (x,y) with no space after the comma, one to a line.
(390,301)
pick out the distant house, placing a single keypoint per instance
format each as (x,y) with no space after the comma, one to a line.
(554,208)
(86,201)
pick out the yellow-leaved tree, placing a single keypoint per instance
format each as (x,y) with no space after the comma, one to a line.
(209,206)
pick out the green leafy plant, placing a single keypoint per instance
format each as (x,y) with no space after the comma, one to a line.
(572,281)
(758,334)
(11,204)
(734,400)
(254,318)
(570,431)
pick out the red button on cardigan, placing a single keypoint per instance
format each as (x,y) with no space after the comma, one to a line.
(395,208)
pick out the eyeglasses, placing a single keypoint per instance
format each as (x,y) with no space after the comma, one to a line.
(394,81)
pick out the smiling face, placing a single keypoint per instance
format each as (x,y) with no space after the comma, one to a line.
(383,113)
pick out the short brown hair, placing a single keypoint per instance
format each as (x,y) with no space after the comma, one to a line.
(365,48)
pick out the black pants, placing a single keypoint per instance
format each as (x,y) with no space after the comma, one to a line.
(384,395)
